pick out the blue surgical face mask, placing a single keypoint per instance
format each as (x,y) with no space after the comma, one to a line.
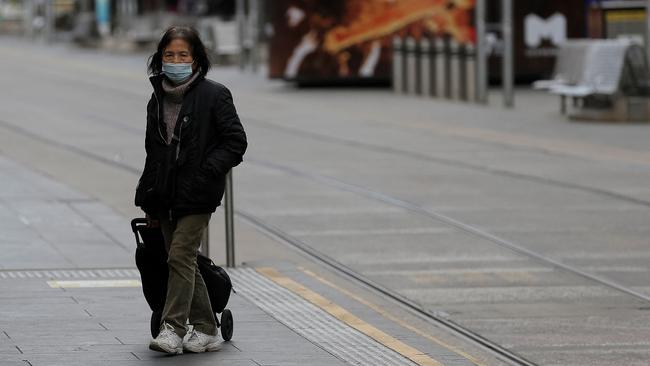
(177,73)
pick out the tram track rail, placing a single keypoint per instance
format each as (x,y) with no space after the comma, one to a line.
(413,307)
(457,163)
(338,267)
(447,220)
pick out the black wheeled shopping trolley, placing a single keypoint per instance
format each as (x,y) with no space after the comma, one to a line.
(151,260)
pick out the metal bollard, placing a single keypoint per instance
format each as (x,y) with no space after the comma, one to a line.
(441,68)
(230,226)
(411,66)
(462,55)
(230,223)
(471,92)
(240,17)
(508,68)
(481,52)
(253,34)
(426,82)
(398,60)
(455,69)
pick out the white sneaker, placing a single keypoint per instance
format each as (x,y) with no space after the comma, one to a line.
(200,342)
(167,341)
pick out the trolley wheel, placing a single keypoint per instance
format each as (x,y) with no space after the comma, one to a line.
(156,317)
(226,325)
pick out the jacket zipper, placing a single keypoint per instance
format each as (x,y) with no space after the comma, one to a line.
(178,145)
(159,117)
(178,151)
(163,138)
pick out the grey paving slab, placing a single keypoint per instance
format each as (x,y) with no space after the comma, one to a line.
(47,225)
(32,254)
(9,350)
(79,336)
(54,326)
(198,361)
(104,220)
(14,362)
(602,356)
(593,331)
(63,359)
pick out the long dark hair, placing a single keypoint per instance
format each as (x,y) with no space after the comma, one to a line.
(189,35)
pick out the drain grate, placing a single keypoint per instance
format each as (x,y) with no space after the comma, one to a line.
(312,322)
(71,273)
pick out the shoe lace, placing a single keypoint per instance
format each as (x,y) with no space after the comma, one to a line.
(195,336)
(166,327)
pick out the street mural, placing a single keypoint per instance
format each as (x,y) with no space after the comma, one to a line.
(350,39)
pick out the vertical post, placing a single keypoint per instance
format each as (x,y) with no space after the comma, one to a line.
(120,13)
(230,225)
(454,69)
(508,62)
(253,33)
(441,72)
(647,24)
(132,7)
(481,53)
(411,66)
(49,20)
(398,59)
(126,10)
(470,73)
(28,17)
(241,30)
(425,67)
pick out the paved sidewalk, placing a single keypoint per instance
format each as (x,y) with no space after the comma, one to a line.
(45,224)
(70,295)
(50,233)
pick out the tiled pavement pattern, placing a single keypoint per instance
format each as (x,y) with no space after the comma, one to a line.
(52,233)
(48,232)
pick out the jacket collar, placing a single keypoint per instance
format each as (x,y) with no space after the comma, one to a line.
(186,108)
(157,79)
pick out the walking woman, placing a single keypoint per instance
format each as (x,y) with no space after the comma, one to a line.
(193,138)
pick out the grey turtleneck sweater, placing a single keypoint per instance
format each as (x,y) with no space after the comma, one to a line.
(172,102)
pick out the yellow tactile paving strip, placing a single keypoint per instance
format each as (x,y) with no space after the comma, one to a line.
(393,318)
(348,318)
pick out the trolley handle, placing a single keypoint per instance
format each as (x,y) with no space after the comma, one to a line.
(136,224)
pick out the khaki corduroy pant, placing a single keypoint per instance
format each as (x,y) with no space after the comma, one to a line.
(187,296)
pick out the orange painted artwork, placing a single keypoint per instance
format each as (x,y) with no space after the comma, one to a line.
(314,40)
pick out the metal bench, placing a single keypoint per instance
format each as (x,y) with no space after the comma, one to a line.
(221,37)
(600,74)
(568,65)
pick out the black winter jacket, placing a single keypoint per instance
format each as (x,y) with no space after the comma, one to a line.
(188,176)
